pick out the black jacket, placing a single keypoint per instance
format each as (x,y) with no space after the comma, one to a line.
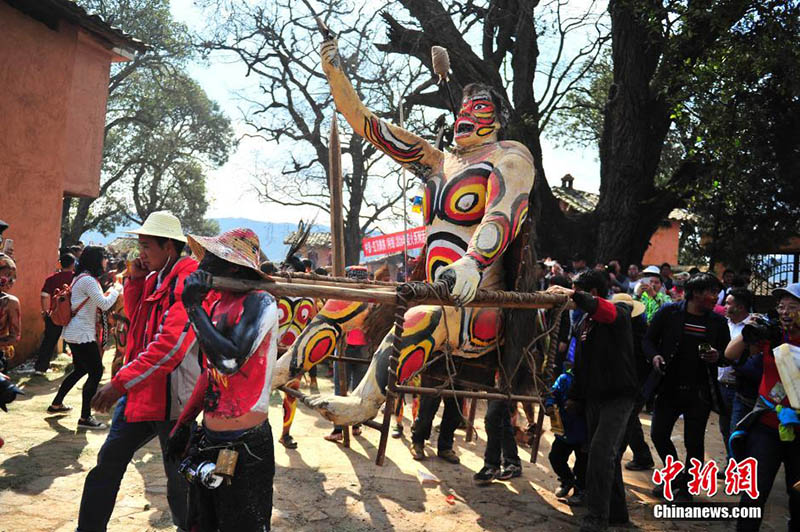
(664,335)
(605,367)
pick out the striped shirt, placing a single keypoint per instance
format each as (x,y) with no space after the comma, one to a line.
(81,329)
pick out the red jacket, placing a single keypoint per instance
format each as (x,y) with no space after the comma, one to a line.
(162,359)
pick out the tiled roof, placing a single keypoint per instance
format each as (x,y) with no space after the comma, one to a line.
(315,240)
(583,202)
(50,11)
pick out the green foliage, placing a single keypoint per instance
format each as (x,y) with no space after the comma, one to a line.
(162,132)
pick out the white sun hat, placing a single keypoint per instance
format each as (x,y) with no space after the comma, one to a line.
(163,224)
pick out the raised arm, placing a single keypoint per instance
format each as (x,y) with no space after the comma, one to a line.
(413,152)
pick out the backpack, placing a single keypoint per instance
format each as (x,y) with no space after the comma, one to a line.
(61,305)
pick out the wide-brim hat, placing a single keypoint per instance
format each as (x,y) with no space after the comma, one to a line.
(163,224)
(638,307)
(793,290)
(238,246)
(652,271)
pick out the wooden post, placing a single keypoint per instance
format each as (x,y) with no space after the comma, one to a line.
(337,240)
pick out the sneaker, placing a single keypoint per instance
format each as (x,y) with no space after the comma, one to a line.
(576,499)
(485,476)
(397,431)
(60,409)
(449,455)
(509,471)
(633,465)
(91,423)
(418,451)
(288,442)
(564,489)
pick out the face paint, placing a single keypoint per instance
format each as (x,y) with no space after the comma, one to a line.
(476,122)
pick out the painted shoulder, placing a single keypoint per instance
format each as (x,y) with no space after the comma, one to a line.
(516,148)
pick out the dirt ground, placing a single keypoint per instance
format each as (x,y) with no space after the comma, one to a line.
(320,486)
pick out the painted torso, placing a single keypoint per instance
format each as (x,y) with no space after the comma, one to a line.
(247,390)
(454,205)
(294,313)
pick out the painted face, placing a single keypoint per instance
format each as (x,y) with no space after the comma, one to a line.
(477,121)
(789,313)
(8,273)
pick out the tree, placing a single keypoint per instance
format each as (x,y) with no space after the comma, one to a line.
(161,130)
(277,41)
(728,101)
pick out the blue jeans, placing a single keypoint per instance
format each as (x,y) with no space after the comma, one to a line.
(102,483)
(764,445)
(741,407)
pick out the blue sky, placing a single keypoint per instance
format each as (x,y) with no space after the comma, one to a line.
(231,186)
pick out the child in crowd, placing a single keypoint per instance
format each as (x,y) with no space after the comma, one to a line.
(572,440)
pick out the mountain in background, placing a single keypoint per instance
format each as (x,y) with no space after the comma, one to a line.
(270,234)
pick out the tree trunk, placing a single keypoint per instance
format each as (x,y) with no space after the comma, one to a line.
(635,127)
(71,230)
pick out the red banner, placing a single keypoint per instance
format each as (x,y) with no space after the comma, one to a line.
(393,243)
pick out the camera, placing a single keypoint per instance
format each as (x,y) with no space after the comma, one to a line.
(762,328)
(8,392)
(201,473)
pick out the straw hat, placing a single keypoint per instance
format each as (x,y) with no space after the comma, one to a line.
(163,224)
(238,246)
(638,307)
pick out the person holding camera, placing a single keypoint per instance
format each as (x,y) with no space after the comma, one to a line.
(684,343)
(238,338)
(771,432)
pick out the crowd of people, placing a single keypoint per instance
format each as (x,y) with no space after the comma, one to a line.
(681,345)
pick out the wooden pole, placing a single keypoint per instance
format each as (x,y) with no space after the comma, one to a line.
(337,240)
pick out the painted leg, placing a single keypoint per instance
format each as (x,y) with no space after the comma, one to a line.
(289,407)
(425,332)
(318,339)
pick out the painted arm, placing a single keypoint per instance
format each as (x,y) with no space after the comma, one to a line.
(413,152)
(507,192)
(14,320)
(229,352)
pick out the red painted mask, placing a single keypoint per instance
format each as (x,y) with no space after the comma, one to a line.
(476,120)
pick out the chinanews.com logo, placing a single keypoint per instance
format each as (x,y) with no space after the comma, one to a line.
(739,478)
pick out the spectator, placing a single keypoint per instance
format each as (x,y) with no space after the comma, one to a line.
(634,435)
(727,283)
(10,321)
(634,274)
(676,294)
(605,387)
(421,431)
(572,440)
(160,371)
(619,281)
(81,334)
(694,270)
(578,265)
(649,292)
(685,341)
(737,309)
(666,276)
(769,438)
(564,328)
(745,276)
(52,332)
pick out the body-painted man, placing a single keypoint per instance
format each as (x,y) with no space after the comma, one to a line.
(475,202)
(238,338)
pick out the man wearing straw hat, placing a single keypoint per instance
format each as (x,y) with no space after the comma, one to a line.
(239,342)
(161,368)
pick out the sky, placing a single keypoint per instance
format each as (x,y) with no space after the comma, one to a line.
(231,187)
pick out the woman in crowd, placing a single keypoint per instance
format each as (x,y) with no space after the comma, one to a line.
(81,334)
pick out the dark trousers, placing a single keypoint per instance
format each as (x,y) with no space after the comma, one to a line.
(634,436)
(102,483)
(451,418)
(52,332)
(86,359)
(607,421)
(501,447)
(741,407)
(559,456)
(246,504)
(727,393)
(670,404)
(764,444)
